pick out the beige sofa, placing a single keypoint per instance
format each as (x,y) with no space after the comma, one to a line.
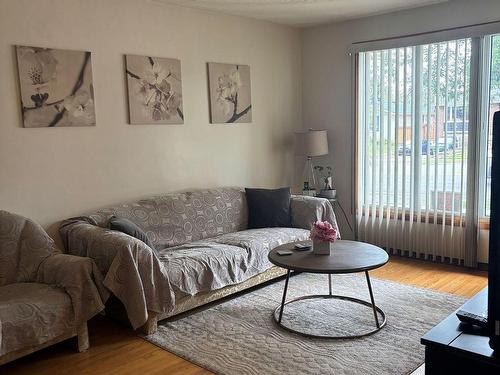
(204,249)
(45,296)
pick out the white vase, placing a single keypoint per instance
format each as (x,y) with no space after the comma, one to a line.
(322,247)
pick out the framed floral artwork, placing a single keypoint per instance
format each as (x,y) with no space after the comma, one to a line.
(230,93)
(154,90)
(56,87)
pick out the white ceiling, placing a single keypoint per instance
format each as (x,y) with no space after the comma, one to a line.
(301,12)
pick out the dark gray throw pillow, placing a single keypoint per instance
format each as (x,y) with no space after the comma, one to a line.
(126,226)
(268,208)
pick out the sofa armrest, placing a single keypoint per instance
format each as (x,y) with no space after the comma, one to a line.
(306,210)
(131,270)
(82,237)
(80,278)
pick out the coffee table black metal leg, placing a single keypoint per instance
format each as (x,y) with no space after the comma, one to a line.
(330,283)
(371,298)
(284,295)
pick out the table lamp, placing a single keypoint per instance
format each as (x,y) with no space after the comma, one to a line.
(310,143)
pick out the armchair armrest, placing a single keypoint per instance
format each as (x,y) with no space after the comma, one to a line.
(306,210)
(80,278)
(131,270)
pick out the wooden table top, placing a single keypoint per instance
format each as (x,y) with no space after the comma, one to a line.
(453,334)
(345,257)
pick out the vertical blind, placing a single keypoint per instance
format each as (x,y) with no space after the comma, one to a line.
(413,149)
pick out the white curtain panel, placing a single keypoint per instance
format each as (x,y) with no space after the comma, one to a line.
(416,146)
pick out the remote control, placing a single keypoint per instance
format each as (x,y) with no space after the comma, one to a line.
(302,247)
(284,252)
(474,319)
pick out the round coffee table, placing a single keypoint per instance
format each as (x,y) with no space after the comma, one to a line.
(345,257)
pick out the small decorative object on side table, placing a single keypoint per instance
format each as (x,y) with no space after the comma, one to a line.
(323,236)
(307,190)
(328,194)
(327,190)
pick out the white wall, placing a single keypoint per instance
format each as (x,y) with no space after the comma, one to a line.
(50,174)
(327,71)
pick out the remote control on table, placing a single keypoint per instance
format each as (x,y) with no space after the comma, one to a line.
(302,247)
(474,319)
(284,252)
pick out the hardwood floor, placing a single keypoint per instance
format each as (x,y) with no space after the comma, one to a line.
(117,350)
(442,277)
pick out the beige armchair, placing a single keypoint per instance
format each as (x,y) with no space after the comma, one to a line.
(45,296)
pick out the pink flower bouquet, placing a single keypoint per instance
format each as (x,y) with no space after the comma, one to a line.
(323,236)
(323,231)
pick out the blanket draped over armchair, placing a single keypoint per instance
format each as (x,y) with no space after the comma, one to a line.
(43,292)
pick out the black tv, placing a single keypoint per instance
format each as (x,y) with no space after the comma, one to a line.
(494,244)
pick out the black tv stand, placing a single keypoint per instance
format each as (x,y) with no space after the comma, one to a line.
(453,347)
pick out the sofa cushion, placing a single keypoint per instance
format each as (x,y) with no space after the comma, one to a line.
(203,266)
(263,240)
(126,226)
(268,207)
(31,314)
(228,259)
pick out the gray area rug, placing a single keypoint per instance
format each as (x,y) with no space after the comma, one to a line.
(240,337)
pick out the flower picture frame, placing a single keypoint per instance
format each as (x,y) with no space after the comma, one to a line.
(56,87)
(230,93)
(154,90)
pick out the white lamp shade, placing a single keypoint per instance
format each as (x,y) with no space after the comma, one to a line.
(311,143)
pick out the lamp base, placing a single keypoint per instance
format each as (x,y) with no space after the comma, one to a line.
(309,180)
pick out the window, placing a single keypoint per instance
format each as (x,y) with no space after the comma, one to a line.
(413,105)
(423,148)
